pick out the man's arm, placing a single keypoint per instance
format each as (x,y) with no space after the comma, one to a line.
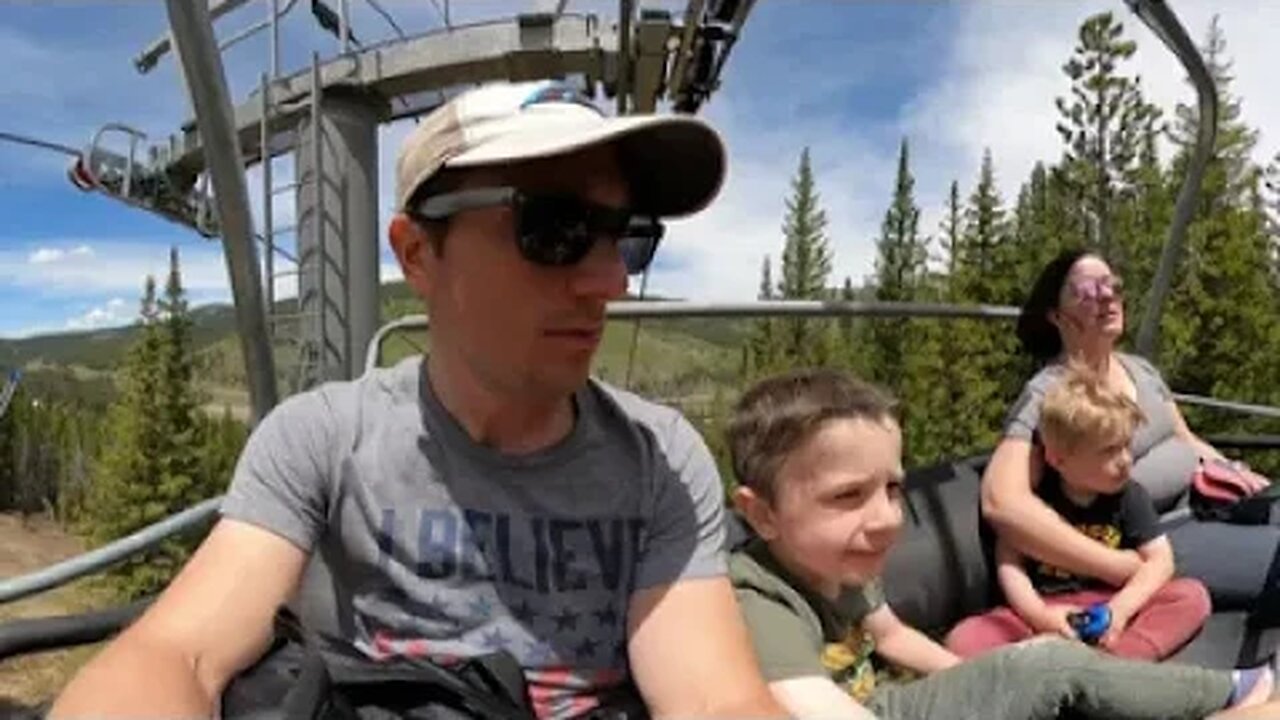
(211,622)
(691,655)
(1033,527)
(817,697)
(904,645)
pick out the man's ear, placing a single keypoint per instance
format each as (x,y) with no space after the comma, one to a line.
(757,510)
(413,248)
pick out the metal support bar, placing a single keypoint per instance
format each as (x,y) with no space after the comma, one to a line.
(206,82)
(148,58)
(626,14)
(96,560)
(1227,405)
(268,199)
(679,74)
(32,635)
(405,69)
(1164,23)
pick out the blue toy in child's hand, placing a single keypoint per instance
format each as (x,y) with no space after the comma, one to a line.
(1092,622)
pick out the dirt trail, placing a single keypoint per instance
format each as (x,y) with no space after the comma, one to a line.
(26,546)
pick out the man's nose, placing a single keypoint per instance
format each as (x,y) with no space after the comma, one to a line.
(601,275)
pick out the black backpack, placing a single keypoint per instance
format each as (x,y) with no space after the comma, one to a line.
(308,676)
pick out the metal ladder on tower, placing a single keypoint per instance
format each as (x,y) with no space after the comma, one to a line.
(300,355)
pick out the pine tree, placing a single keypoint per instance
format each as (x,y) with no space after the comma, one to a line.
(763,347)
(847,339)
(900,268)
(1103,123)
(9,429)
(1271,199)
(179,400)
(123,496)
(984,260)
(159,457)
(901,253)
(950,240)
(806,265)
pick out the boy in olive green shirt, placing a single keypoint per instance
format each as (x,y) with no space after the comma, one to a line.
(818,458)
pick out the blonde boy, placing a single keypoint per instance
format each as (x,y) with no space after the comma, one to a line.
(818,458)
(1086,429)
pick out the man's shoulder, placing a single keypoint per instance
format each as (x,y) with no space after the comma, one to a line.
(666,423)
(345,399)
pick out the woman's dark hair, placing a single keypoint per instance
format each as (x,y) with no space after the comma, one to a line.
(1038,336)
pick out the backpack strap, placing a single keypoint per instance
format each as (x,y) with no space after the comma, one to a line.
(334,680)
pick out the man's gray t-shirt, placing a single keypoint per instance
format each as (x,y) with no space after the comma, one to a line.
(1163,461)
(438,546)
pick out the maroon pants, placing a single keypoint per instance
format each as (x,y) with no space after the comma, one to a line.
(1172,616)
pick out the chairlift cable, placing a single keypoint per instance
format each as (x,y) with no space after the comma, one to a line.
(386,16)
(44,144)
(444,14)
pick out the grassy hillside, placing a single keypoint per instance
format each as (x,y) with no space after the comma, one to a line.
(214,337)
(673,358)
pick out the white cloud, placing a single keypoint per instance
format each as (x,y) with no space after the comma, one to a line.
(44,256)
(1000,93)
(115,312)
(117,268)
(716,255)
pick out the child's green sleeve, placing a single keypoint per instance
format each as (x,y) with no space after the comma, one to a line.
(785,644)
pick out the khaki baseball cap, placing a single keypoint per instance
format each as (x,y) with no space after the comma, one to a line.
(675,164)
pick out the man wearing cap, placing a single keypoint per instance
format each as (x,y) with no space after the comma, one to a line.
(490,496)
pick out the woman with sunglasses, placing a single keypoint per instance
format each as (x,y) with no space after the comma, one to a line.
(1075,309)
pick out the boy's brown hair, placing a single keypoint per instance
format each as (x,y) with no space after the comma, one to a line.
(781,412)
(1081,409)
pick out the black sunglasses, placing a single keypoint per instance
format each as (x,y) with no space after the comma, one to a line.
(557,230)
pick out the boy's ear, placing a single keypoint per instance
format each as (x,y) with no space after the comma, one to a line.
(757,510)
(1052,455)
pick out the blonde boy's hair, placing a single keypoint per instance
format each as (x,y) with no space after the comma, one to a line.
(1080,409)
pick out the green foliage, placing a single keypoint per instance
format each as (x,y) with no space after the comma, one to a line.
(1102,125)
(806,265)
(160,455)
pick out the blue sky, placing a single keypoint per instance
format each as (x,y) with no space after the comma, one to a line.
(847,79)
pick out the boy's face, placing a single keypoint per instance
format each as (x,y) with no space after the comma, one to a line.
(1096,465)
(837,504)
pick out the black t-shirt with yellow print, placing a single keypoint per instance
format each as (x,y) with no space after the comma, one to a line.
(798,633)
(1123,521)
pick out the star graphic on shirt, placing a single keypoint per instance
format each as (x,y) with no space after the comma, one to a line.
(439,604)
(480,607)
(606,616)
(586,648)
(539,653)
(523,612)
(494,640)
(566,620)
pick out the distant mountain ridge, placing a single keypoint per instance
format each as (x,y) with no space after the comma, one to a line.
(214,338)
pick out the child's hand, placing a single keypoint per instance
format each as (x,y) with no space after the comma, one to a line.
(1119,621)
(1054,621)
